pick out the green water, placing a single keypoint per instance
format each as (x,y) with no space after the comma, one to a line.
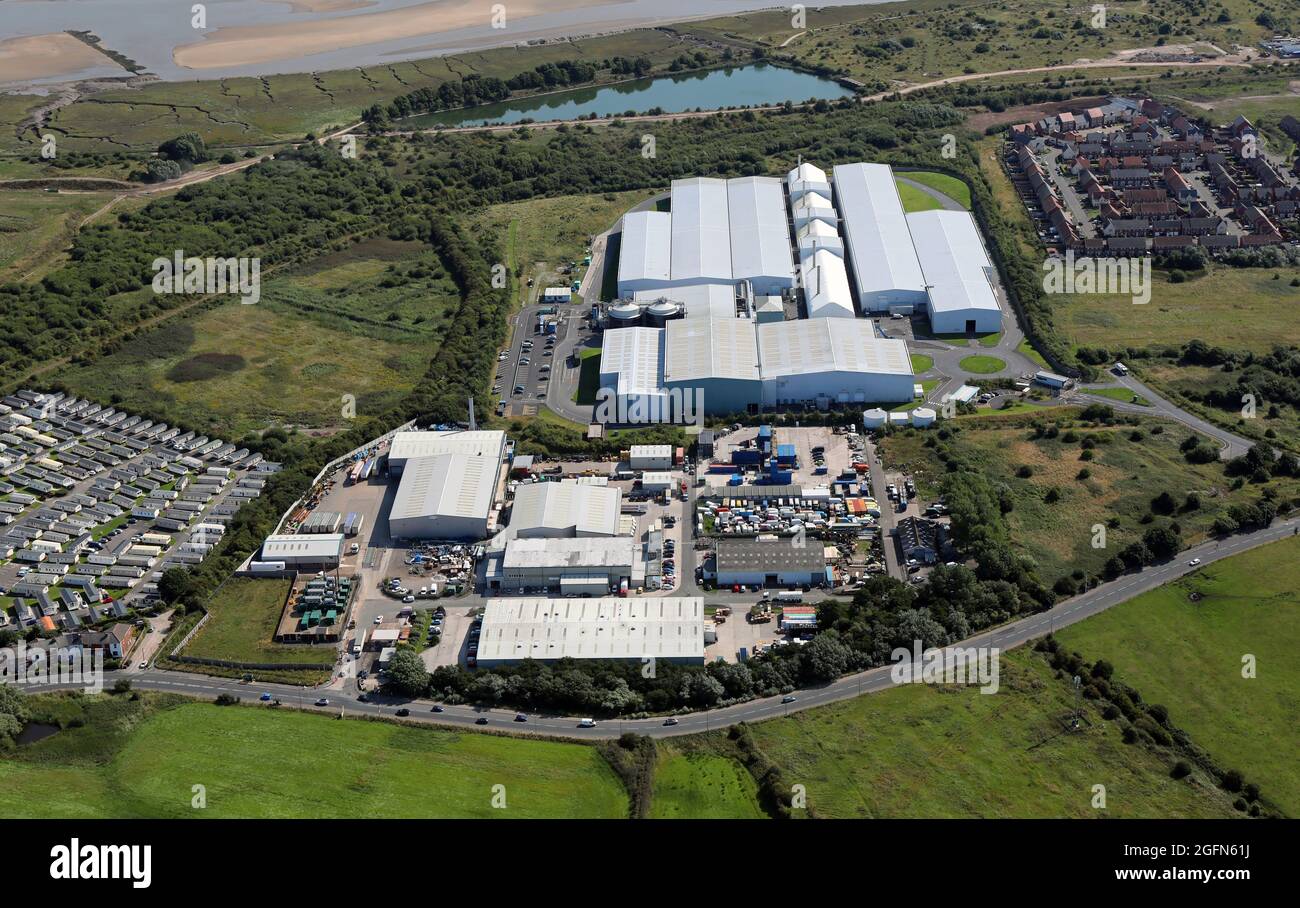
(737,86)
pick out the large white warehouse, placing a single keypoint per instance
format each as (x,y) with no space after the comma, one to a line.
(701,231)
(557,510)
(408,445)
(881,254)
(958,269)
(644,252)
(445,496)
(834,361)
(738,365)
(760,234)
(669,628)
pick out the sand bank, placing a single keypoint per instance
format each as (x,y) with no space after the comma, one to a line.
(46,56)
(249,46)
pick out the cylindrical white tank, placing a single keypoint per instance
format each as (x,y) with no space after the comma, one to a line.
(624,315)
(922,416)
(659,313)
(874,418)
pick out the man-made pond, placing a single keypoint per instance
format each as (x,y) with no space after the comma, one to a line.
(35,731)
(737,86)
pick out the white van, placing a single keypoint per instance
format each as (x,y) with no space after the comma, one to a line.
(587,723)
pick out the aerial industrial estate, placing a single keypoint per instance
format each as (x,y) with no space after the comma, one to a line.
(733,293)
(871,411)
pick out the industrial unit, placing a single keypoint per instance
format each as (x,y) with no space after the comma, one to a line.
(958,271)
(587,566)
(446,496)
(883,258)
(670,629)
(557,510)
(301,553)
(408,445)
(771,562)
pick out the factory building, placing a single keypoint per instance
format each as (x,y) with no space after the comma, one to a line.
(759,562)
(578,567)
(697,301)
(738,365)
(826,285)
(824,360)
(555,510)
(805,179)
(669,629)
(701,231)
(445,496)
(304,553)
(644,252)
(882,258)
(958,271)
(760,237)
(409,445)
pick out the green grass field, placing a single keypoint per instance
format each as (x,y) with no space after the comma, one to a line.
(236,368)
(1187,655)
(702,786)
(982,364)
(245,612)
(588,378)
(952,187)
(1119,393)
(1236,308)
(257,762)
(915,199)
(922,362)
(924,751)
(36,229)
(1127,471)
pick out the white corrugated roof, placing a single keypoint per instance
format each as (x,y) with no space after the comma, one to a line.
(760,239)
(807,173)
(954,260)
(427,444)
(636,354)
(645,249)
(815,205)
(829,345)
(446,485)
(567,507)
(875,226)
(666,627)
(701,239)
(698,348)
(826,286)
(312,546)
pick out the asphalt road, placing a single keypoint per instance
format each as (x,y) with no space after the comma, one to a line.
(1007,636)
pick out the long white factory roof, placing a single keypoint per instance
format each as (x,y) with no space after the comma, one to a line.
(487,442)
(698,348)
(829,345)
(815,205)
(446,485)
(594,553)
(760,238)
(583,509)
(310,546)
(955,263)
(826,285)
(701,235)
(880,245)
(636,354)
(698,300)
(666,627)
(645,249)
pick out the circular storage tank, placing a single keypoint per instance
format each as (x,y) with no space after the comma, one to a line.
(623,315)
(874,419)
(922,416)
(659,313)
